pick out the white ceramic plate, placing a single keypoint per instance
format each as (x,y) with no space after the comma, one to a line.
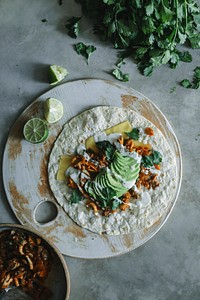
(25,169)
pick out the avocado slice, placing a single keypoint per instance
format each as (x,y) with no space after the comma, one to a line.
(115,185)
(89,189)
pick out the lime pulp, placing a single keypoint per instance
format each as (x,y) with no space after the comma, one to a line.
(53,110)
(56,74)
(35,130)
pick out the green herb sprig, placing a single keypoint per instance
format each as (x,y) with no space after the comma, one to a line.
(195,82)
(150,30)
(73,26)
(76,196)
(84,50)
(108,148)
(150,160)
(134,134)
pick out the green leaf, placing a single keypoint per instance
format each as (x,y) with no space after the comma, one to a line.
(111,29)
(73,26)
(120,62)
(195,40)
(84,50)
(109,2)
(134,134)
(156,60)
(115,204)
(185,56)
(120,76)
(108,148)
(148,70)
(166,57)
(197,73)
(76,196)
(182,37)
(186,83)
(195,83)
(149,9)
(150,160)
(175,58)
(140,52)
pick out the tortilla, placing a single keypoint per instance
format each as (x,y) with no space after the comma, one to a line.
(142,213)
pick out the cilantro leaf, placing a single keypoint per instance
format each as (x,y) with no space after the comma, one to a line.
(134,134)
(108,148)
(154,159)
(106,200)
(73,26)
(185,56)
(195,82)
(84,50)
(186,83)
(76,196)
(197,73)
(117,73)
(115,204)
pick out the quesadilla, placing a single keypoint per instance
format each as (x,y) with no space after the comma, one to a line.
(112,171)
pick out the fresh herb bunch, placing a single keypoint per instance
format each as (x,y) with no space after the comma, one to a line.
(150,30)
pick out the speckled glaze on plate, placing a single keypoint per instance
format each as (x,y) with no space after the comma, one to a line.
(58,280)
(25,169)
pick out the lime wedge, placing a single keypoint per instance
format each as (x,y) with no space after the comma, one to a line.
(56,74)
(53,110)
(36,130)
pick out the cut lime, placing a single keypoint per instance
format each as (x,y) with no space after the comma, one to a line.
(36,130)
(53,110)
(56,74)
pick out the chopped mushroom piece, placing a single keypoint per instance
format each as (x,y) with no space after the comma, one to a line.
(25,263)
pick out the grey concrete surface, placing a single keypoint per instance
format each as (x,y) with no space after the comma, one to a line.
(168,266)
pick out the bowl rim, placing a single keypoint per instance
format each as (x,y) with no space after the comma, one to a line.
(50,244)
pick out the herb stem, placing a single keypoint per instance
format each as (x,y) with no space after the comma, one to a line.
(176,28)
(186,15)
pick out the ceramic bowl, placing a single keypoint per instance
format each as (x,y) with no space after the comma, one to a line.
(58,280)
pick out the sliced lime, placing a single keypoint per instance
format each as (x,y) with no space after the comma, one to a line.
(56,74)
(35,130)
(53,110)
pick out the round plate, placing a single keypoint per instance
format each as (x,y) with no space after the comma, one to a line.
(26,179)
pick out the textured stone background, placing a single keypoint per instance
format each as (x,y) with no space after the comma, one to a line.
(168,266)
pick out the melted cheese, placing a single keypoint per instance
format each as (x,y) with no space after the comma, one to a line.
(64,164)
(118,128)
(65,160)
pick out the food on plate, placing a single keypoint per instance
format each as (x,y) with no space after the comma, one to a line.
(53,110)
(25,262)
(57,74)
(35,130)
(112,171)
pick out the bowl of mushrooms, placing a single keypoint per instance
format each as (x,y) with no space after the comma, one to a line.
(31,267)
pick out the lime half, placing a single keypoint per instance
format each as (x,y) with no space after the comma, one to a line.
(36,130)
(53,110)
(56,74)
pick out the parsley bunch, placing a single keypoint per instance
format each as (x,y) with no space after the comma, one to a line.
(149,30)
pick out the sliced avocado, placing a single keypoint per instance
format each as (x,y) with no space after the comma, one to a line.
(89,189)
(115,185)
(98,188)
